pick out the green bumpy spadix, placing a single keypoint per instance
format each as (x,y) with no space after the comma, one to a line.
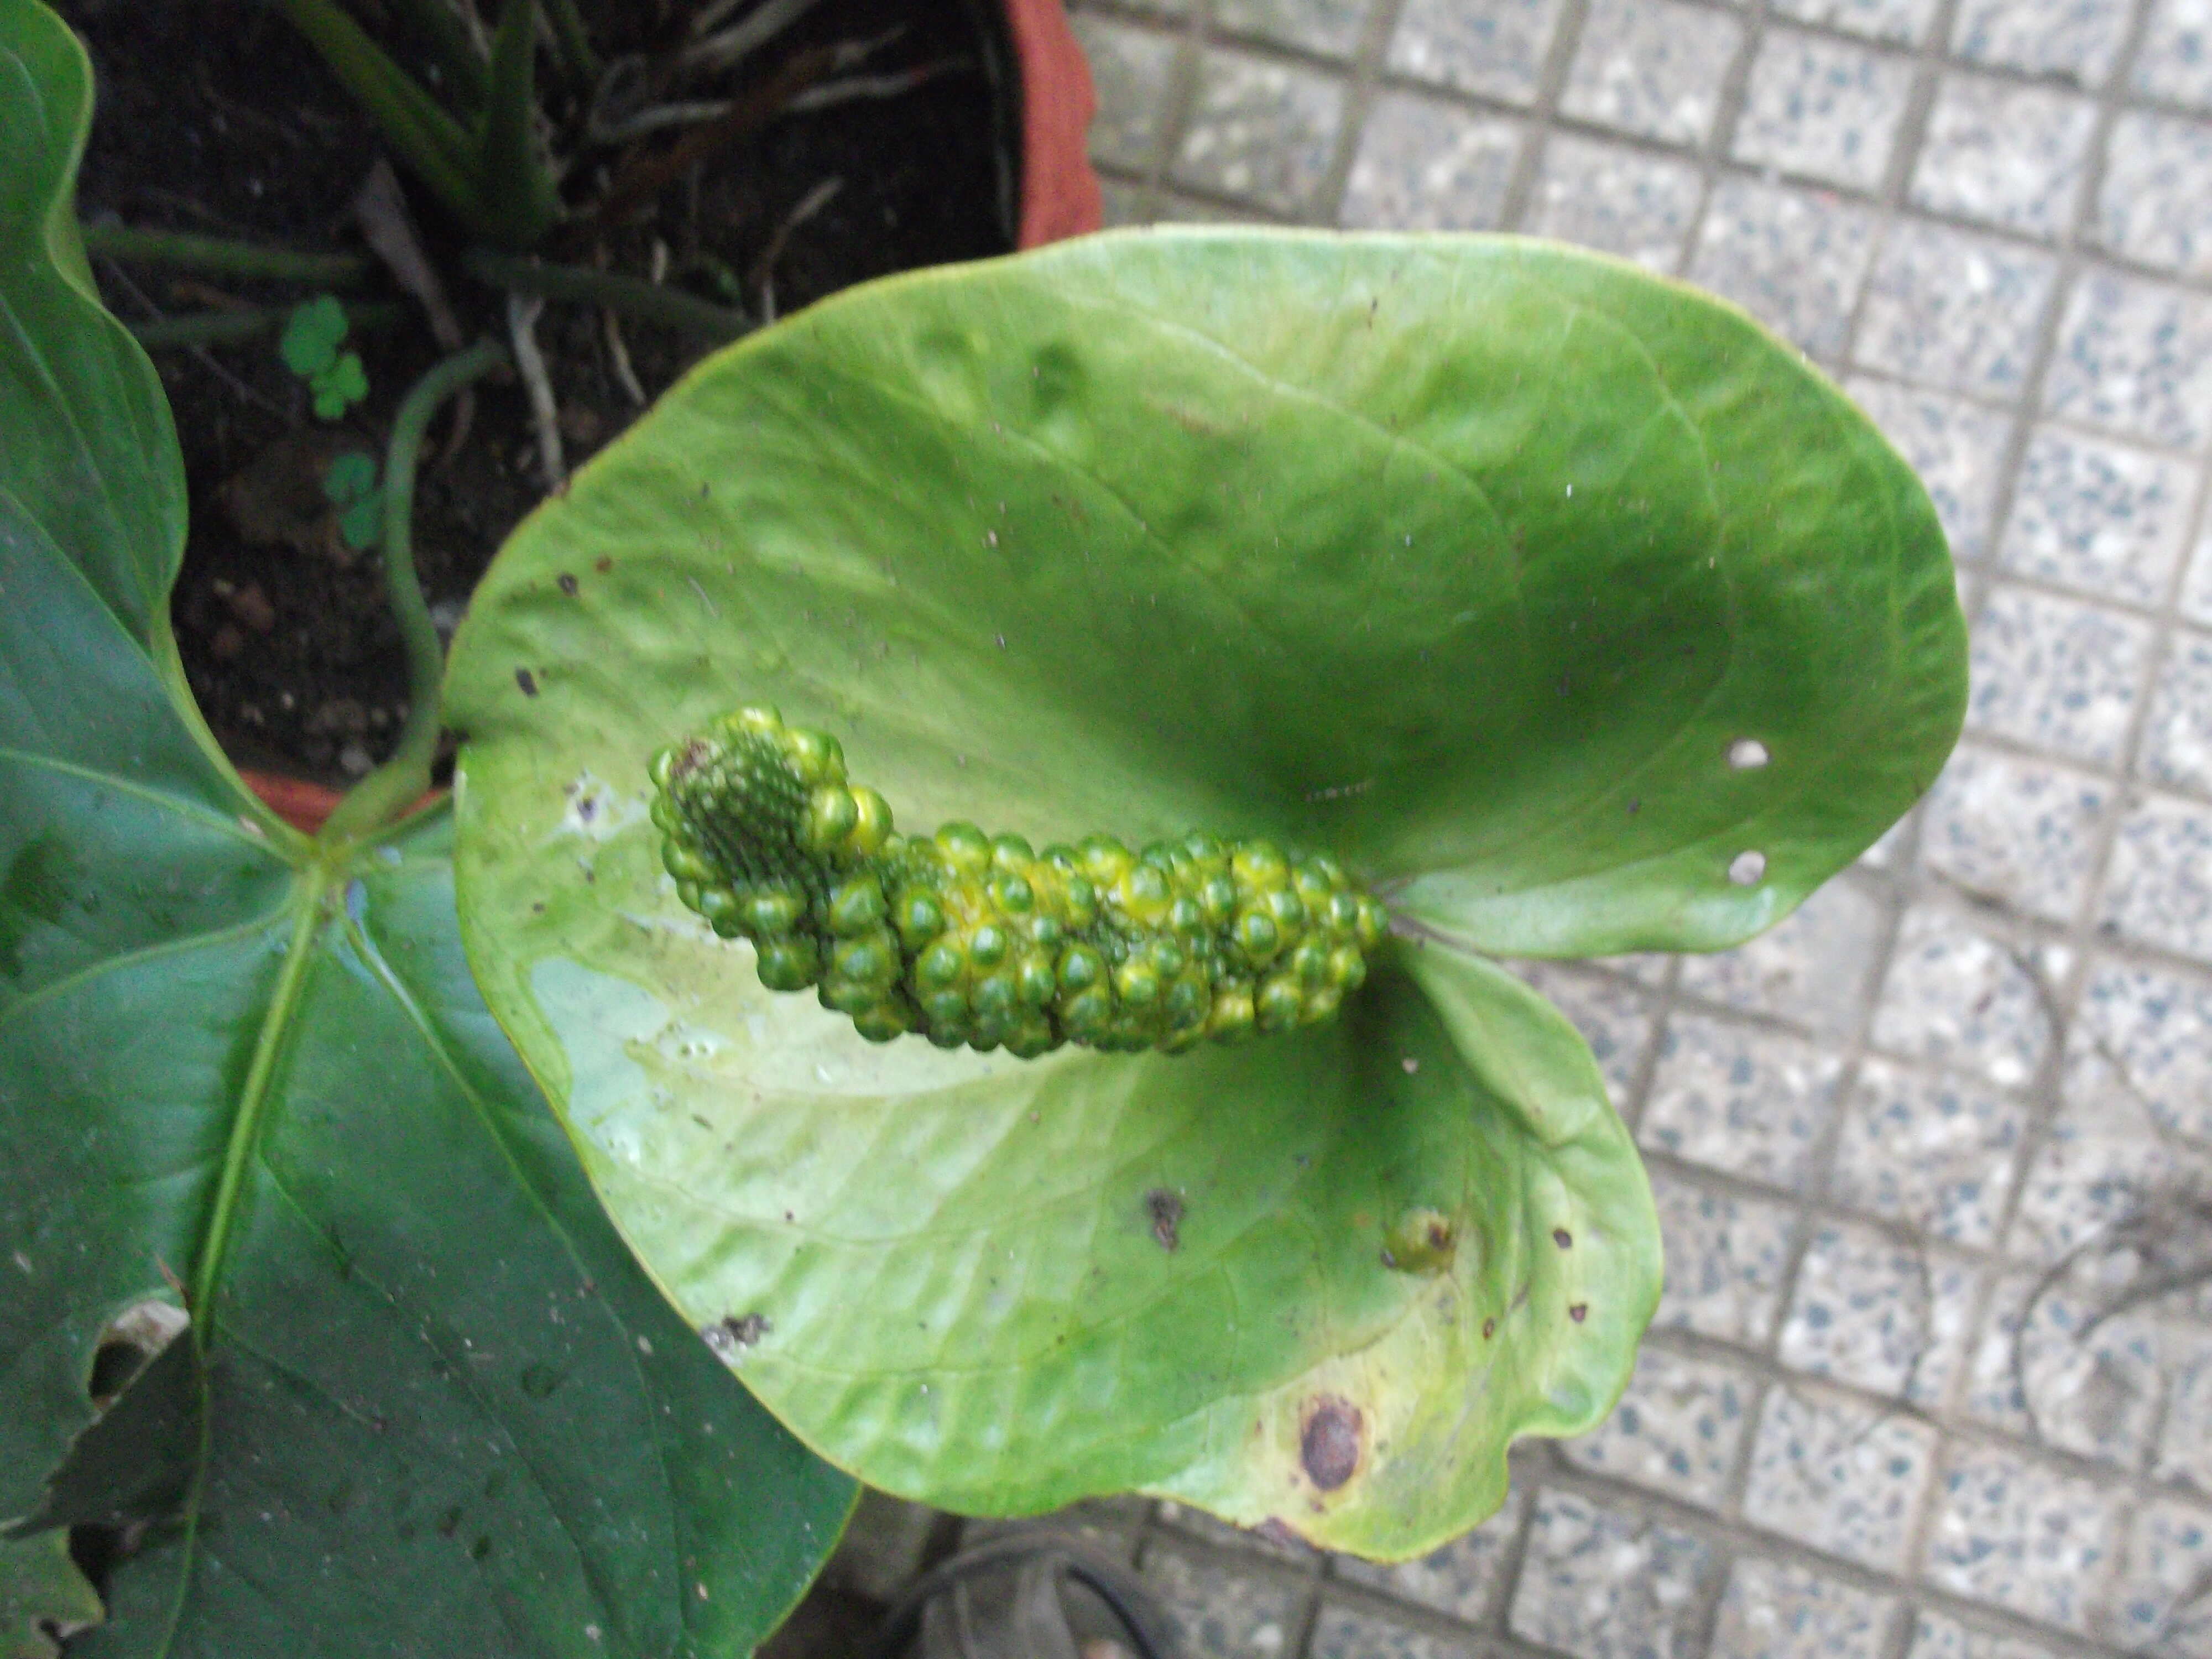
(978,941)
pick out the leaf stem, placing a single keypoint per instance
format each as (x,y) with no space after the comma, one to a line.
(582,62)
(389,790)
(227,327)
(252,1097)
(629,294)
(517,200)
(428,139)
(222,256)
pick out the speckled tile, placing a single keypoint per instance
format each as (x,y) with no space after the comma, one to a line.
(1259,130)
(1226,1611)
(1651,67)
(1462,1579)
(2103,1157)
(1957,448)
(1794,258)
(1954,310)
(2135,357)
(1328,28)
(2155,204)
(1177,209)
(1829,1470)
(2175,62)
(1109,1525)
(2016,830)
(2058,675)
(1725,1257)
(1678,1429)
(1899,22)
(1211,1529)
(1775,1610)
(1342,1633)
(1738,1097)
(1872,1311)
(2163,1603)
(1123,204)
(2159,889)
(1426,164)
(2102,518)
(1623,201)
(2017,1533)
(1936,1637)
(2006,154)
(2151,1030)
(2074,40)
(2177,745)
(1959,993)
(1821,108)
(2184,1449)
(1615,1019)
(1931,1148)
(1496,49)
(1606,1583)
(1812,969)
(2196,602)
(1130,66)
(2055,1364)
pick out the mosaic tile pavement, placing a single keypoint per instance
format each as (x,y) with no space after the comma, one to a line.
(1933,1378)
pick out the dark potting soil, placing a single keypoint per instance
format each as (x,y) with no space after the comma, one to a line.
(214,117)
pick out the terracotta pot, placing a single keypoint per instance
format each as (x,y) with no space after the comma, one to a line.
(1060,189)
(1060,198)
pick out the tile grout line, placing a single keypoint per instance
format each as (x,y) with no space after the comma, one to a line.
(1542,115)
(1324,205)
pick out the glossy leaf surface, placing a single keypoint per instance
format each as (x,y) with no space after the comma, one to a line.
(1492,568)
(438,1408)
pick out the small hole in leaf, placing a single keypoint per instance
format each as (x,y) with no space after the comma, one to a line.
(1747,754)
(1563,1238)
(1745,869)
(1579,1312)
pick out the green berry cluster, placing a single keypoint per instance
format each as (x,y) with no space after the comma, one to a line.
(978,941)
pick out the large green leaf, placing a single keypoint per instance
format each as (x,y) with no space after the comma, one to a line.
(433,1405)
(1495,567)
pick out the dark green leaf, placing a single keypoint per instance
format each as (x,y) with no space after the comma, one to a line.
(444,1411)
(134,1462)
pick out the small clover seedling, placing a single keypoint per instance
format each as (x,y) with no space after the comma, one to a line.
(349,485)
(310,349)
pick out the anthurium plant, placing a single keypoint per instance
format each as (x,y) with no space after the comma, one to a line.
(874,765)
(998,818)
(416,1397)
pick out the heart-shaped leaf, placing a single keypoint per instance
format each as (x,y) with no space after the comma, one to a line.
(431,1404)
(1563,603)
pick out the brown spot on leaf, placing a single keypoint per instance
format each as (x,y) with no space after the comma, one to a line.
(1489,1329)
(726,1336)
(1329,1441)
(1165,1210)
(1563,1238)
(603,564)
(1579,1312)
(527,681)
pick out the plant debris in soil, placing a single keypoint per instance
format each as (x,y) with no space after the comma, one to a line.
(215,117)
